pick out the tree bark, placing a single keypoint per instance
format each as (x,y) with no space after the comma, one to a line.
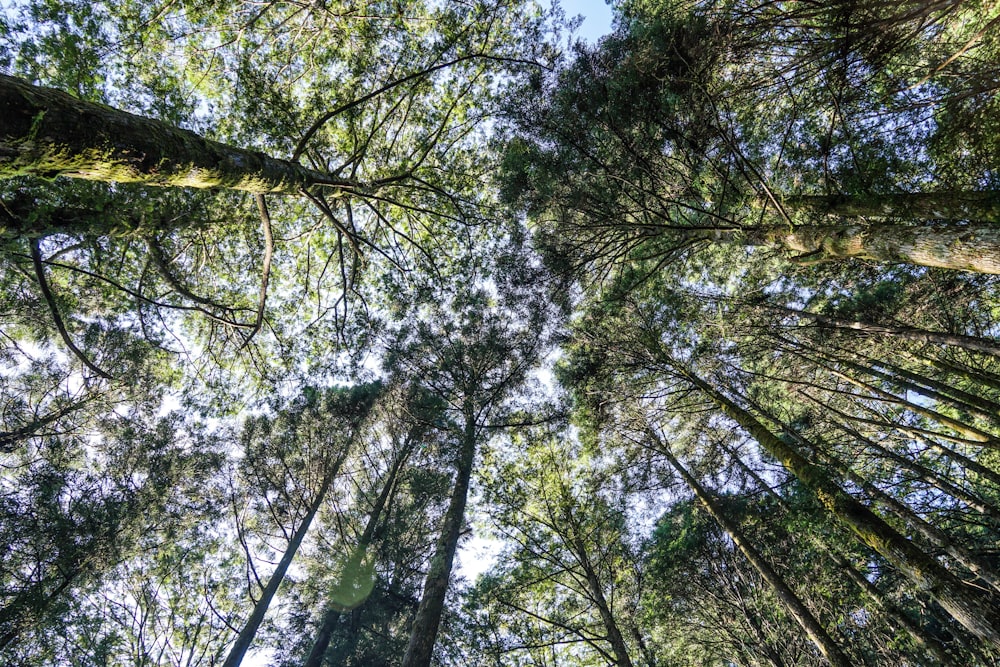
(47,133)
(424,631)
(249,630)
(791,601)
(974,247)
(931,533)
(972,206)
(973,343)
(614,634)
(920,637)
(973,609)
(926,475)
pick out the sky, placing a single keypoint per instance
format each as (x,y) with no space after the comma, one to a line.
(597,13)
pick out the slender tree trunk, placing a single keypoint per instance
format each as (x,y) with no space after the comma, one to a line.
(249,630)
(968,432)
(972,343)
(953,368)
(358,554)
(898,616)
(926,475)
(929,532)
(927,387)
(973,206)
(424,631)
(791,601)
(47,133)
(614,634)
(973,609)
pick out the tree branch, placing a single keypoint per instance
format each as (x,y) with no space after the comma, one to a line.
(36,258)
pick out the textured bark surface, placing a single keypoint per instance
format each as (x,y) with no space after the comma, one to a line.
(974,609)
(973,206)
(959,247)
(424,631)
(47,133)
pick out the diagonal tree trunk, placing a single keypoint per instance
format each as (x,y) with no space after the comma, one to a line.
(360,552)
(249,631)
(48,133)
(959,247)
(974,206)
(423,632)
(789,599)
(915,334)
(974,609)
(614,634)
(924,640)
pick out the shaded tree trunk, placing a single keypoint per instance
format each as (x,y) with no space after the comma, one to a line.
(791,601)
(249,630)
(917,383)
(926,475)
(915,334)
(614,634)
(898,616)
(423,632)
(47,133)
(325,632)
(973,206)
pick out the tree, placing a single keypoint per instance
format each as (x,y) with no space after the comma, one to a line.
(643,148)
(569,576)
(286,461)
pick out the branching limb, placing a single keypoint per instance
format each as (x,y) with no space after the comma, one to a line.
(265,218)
(36,258)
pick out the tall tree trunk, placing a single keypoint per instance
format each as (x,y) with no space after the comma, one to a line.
(358,554)
(931,533)
(917,383)
(47,133)
(954,368)
(974,206)
(791,601)
(926,475)
(968,432)
(424,631)
(974,343)
(249,630)
(972,608)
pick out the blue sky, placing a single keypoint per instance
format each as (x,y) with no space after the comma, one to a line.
(597,13)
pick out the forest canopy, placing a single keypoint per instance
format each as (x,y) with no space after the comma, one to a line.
(412,333)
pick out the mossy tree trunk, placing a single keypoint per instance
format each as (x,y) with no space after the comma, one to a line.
(974,247)
(48,133)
